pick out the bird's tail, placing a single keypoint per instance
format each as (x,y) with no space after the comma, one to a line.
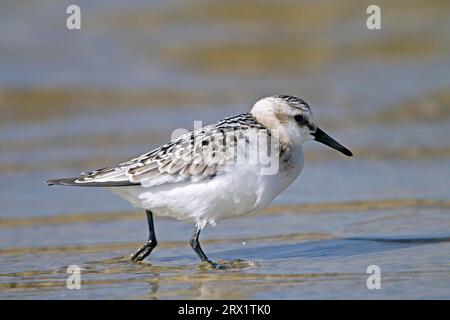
(63,182)
(78,182)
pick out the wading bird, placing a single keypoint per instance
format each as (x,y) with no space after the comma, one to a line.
(196,177)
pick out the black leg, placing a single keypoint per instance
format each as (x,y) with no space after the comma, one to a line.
(195,244)
(147,248)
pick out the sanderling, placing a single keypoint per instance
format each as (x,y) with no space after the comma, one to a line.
(208,174)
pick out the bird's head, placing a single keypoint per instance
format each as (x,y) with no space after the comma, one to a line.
(293,117)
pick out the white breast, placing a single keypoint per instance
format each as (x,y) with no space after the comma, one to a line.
(239,190)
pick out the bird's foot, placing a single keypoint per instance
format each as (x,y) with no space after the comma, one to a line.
(208,264)
(227,264)
(143,252)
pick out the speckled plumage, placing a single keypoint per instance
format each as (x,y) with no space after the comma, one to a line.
(174,161)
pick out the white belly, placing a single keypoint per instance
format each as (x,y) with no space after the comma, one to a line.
(237,191)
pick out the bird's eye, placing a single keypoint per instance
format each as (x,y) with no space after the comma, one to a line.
(300,119)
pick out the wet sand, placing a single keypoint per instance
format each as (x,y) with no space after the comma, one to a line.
(71,102)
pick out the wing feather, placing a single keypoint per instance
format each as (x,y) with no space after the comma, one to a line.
(192,156)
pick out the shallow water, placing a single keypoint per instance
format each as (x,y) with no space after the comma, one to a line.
(74,101)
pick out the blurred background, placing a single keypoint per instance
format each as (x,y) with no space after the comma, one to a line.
(75,100)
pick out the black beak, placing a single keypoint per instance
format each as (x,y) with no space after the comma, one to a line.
(322,137)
